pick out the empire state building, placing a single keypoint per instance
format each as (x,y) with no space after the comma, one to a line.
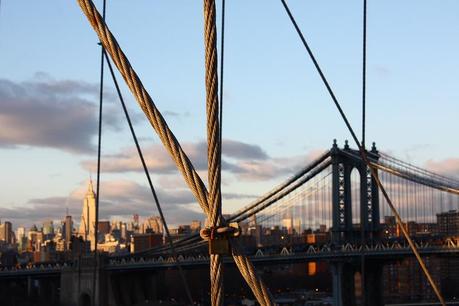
(88,216)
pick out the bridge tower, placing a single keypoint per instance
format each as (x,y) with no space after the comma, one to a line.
(344,161)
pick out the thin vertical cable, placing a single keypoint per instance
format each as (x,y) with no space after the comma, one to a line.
(150,183)
(213,144)
(99,147)
(364,70)
(222,53)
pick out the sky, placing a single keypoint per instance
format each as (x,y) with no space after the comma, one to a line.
(277,113)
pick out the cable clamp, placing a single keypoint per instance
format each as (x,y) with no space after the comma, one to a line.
(218,237)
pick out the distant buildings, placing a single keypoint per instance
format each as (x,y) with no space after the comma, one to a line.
(152,225)
(141,242)
(448,222)
(195,226)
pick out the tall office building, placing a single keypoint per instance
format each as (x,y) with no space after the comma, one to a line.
(195,226)
(6,232)
(153,224)
(67,230)
(48,229)
(88,217)
(20,232)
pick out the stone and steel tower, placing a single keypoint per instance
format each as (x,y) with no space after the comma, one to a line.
(88,216)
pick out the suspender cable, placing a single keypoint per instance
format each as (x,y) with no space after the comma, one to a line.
(99,142)
(364,72)
(222,54)
(364,156)
(150,183)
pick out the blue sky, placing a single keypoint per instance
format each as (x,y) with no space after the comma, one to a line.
(277,114)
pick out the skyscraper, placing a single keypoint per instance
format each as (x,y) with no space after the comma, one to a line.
(153,224)
(88,216)
(68,231)
(21,238)
(48,229)
(6,232)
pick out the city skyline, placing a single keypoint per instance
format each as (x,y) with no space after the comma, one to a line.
(48,163)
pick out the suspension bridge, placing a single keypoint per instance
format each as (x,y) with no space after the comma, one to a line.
(355,208)
(331,210)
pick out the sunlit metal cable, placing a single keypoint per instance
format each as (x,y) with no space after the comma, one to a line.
(150,183)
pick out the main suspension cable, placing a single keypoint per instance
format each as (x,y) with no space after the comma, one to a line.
(150,183)
(171,143)
(364,156)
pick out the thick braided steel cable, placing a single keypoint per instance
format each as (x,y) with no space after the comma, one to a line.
(263,202)
(167,137)
(247,270)
(146,103)
(213,145)
(364,156)
(250,207)
(150,183)
(213,135)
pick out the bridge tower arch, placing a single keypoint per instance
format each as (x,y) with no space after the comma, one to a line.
(344,161)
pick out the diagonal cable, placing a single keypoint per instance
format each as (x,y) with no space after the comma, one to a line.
(168,139)
(364,157)
(146,103)
(150,183)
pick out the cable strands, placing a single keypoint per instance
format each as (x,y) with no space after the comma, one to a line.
(146,103)
(253,205)
(405,174)
(150,183)
(213,146)
(168,139)
(364,157)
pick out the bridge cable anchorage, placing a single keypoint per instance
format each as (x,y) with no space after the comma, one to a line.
(364,156)
(150,183)
(99,148)
(168,139)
